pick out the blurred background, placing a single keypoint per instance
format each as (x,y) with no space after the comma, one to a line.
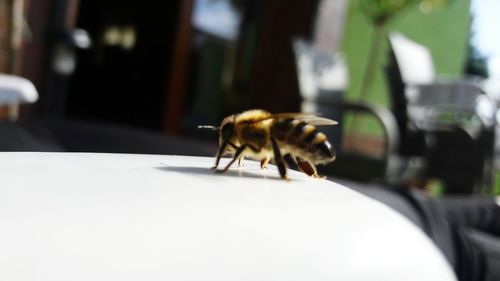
(414,84)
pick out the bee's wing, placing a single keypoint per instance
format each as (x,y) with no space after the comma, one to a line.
(306,117)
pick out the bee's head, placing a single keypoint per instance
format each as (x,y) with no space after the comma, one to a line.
(226,131)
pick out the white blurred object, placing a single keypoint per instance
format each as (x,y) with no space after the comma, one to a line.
(120,36)
(15,90)
(65,59)
(486,110)
(321,76)
(319,71)
(414,60)
(81,216)
(81,38)
(219,18)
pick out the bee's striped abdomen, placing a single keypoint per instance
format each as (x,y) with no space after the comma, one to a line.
(282,128)
(304,138)
(325,149)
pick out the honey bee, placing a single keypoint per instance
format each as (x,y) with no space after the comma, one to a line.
(262,136)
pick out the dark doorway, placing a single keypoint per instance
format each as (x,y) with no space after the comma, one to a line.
(122,78)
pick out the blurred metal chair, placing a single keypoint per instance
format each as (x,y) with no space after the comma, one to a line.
(449,124)
(323,79)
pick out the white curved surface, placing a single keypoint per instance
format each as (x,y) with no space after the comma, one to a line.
(143,217)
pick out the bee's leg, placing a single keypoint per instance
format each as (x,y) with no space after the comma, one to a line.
(222,148)
(307,168)
(279,160)
(221,152)
(290,159)
(236,156)
(240,161)
(263,163)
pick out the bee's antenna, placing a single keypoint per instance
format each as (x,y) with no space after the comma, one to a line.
(209,127)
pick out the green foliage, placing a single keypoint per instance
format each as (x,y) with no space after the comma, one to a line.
(380,11)
(444,31)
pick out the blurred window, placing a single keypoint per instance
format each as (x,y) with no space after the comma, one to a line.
(219,18)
